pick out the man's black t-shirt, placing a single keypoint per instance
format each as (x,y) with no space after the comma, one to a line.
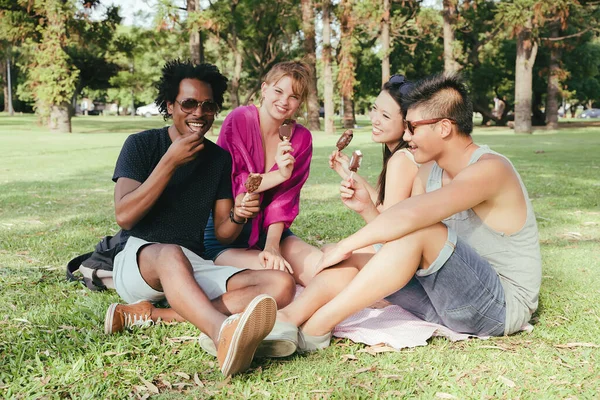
(180,214)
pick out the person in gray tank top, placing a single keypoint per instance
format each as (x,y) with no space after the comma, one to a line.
(463,250)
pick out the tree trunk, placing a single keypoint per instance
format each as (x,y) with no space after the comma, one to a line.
(234,86)
(196,48)
(308,27)
(234,83)
(385,42)
(346,62)
(449,13)
(60,120)
(5,85)
(348,119)
(488,115)
(526,54)
(327,70)
(552,95)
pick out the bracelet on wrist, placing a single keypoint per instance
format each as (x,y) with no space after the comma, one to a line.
(232,218)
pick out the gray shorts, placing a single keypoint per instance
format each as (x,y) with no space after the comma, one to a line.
(460,290)
(130,285)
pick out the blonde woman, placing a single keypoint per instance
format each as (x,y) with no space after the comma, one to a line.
(251,135)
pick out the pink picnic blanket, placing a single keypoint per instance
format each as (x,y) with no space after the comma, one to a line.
(395,327)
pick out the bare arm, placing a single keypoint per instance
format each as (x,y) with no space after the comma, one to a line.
(475,184)
(227,231)
(285,163)
(361,197)
(270,257)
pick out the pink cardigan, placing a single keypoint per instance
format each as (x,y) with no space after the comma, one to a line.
(240,136)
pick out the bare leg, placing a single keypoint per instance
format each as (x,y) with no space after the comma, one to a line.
(246,285)
(240,258)
(302,257)
(165,268)
(241,289)
(389,270)
(321,289)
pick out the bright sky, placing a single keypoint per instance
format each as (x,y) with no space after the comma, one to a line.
(129,9)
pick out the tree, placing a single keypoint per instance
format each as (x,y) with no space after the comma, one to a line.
(17,23)
(53,76)
(527,49)
(450,17)
(569,28)
(582,84)
(88,50)
(257,34)
(196,37)
(519,16)
(486,58)
(379,23)
(308,28)
(327,69)
(385,42)
(528,19)
(554,72)
(346,63)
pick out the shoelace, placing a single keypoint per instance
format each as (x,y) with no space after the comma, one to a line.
(142,321)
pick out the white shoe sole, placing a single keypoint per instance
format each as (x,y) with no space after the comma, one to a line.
(108,318)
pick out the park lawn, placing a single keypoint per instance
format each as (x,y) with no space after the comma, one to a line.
(56,202)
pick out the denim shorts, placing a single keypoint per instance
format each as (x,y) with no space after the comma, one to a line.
(463,293)
(213,248)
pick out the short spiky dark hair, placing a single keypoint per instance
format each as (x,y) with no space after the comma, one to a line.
(176,70)
(443,96)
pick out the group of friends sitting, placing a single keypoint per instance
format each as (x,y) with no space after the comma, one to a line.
(449,235)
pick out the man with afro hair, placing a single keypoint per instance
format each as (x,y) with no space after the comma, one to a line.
(167,183)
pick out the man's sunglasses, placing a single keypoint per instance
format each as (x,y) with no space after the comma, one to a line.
(188,106)
(412,125)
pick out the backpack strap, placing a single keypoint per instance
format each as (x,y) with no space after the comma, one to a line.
(73,266)
(95,283)
(100,259)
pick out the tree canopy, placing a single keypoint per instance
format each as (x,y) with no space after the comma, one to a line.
(531,55)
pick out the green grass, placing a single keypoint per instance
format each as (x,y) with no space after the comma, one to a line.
(56,202)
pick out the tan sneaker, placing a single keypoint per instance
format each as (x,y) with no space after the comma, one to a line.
(121,316)
(282,341)
(241,334)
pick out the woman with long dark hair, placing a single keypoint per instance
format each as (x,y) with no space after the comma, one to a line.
(399,167)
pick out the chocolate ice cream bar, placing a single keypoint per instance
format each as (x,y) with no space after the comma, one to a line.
(355,161)
(253,182)
(285,130)
(344,140)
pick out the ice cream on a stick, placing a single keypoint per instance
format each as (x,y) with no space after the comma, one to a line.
(253,182)
(355,161)
(344,140)
(285,130)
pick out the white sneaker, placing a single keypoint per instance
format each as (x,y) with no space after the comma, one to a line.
(309,343)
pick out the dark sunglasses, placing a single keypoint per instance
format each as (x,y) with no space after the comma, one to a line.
(188,106)
(412,125)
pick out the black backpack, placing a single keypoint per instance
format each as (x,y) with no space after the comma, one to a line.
(96,266)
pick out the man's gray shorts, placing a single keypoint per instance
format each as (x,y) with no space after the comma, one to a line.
(460,290)
(130,285)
